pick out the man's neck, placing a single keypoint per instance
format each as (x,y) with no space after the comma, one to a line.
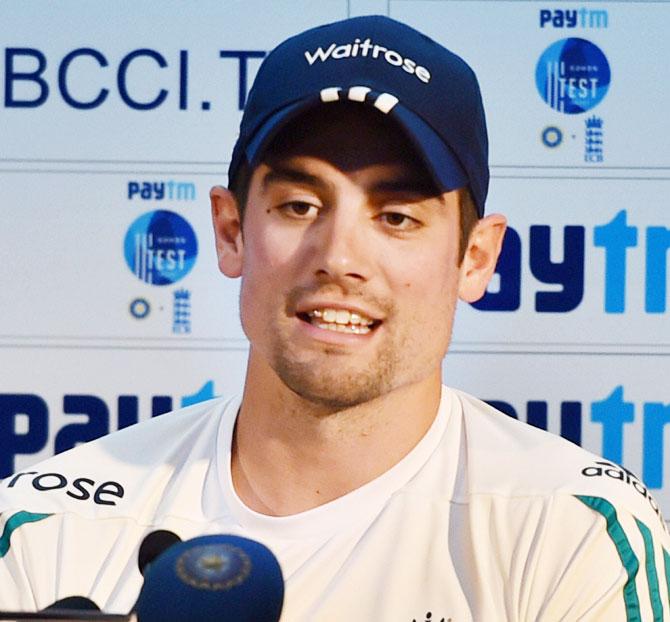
(289,457)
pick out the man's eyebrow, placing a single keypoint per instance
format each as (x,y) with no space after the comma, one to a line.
(292,175)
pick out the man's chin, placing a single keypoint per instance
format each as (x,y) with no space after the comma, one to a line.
(334,403)
(333,394)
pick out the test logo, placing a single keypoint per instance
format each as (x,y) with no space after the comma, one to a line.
(160,247)
(572,75)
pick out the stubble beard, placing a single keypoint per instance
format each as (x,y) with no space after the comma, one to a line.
(330,384)
(333,378)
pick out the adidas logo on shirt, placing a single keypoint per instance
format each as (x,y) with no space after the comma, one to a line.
(368,49)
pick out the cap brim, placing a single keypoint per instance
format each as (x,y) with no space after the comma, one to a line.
(445,169)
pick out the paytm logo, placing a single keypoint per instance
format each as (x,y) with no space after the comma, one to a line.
(616,416)
(25,427)
(573,18)
(161,190)
(613,239)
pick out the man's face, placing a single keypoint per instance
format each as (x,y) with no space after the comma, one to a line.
(349,260)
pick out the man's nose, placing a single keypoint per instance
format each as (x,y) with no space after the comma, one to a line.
(342,251)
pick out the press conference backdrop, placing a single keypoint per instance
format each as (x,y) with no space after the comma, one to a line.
(118,117)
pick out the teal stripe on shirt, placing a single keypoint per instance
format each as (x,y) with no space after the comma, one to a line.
(14,522)
(666,560)
(625,551)
(652,576)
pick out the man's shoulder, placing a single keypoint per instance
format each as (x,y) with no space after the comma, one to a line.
(117,472)
(508,458)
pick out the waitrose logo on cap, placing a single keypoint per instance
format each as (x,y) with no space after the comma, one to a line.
(366,48)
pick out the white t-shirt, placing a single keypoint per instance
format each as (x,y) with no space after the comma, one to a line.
(486,519)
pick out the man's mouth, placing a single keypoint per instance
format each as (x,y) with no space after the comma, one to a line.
(340,320)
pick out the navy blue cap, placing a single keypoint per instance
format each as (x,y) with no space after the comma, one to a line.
(430,92)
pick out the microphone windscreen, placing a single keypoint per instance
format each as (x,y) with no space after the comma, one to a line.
(70,609)
(153,545)
(73,603)
(214,577)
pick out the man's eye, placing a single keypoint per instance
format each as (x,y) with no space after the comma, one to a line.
(298,209)
(398,220)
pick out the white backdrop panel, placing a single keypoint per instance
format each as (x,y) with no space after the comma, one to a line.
(79,164)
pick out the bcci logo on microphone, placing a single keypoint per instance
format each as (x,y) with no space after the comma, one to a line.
(572,75)
(215,566)
(160,247)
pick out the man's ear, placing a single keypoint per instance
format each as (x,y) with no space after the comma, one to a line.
(481,256)
(227,231)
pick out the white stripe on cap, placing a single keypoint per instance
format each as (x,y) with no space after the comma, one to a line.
(331,94)
(358,93)
(385,102)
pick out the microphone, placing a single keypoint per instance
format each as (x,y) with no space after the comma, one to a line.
(212,577)
(209,577)
(70,609)
(77,603)
(153,545)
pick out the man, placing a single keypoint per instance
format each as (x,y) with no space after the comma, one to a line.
(355,219)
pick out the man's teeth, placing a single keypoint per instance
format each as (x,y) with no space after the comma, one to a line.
(340,320)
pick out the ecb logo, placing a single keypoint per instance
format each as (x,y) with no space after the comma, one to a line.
(572,75)
(160,247)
